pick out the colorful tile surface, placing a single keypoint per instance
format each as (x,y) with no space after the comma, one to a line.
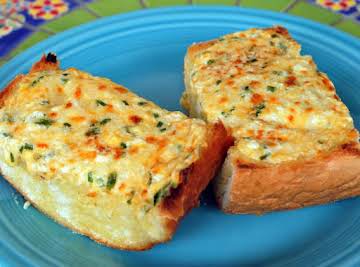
(23,23)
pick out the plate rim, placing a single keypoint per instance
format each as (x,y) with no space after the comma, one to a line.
(23,57)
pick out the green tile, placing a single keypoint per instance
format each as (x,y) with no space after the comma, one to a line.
(314,13)
(215,2)
(350,27)
(111,7)
(70,20)
(159,3)
(276,5)
(30,41)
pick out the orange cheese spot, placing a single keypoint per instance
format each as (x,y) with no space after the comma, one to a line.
(223,100)
(256,99)
(273,100)
(120,89)
(109,108)
(230,82)
(290,81)
(151,139)
(59,90)
(42,145)
(77,118)
(144,193)
(290,117)
(133,149)
(102,87)
(353,134)
(292,110)
(91,194)
(328,84)
(52,169)
(309,109)
(68,105)
(135,119)
(336,97)
(122,187)
(297,103)
(254,84)
(77,94)
(53,114)
(118,153)
(88,154)
(259,134)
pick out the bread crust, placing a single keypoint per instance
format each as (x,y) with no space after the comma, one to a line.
(249,187)
(259,189)
(174,207)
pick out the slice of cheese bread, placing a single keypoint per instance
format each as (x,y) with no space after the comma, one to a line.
(101,160)
(295,141)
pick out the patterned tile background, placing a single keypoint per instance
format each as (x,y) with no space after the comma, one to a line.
(23,23)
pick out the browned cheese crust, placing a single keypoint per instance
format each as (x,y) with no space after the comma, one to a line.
(253,186)
(178,203)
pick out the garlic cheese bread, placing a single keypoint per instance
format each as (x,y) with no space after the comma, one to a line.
(100,159)
(296,144)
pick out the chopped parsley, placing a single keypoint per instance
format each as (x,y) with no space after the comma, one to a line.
(283,47)
(228,113)
(44,102)
(142,103)
(163,130)
(265,156)
(111,180)
(159,124)
(251,60)
(66,124)
(162,193)
(123,145)
(246,88)
(90,177)
(218,82)
(104,121)
(36,81)
(221,39)
(271,88)
(274,36)
(64,80)
(12,159)
(45,122)
(100,103)
(259,108)
(26,146)
(132,194)
(7,135)
(156,115)
(125,102)
(149,182)
(210,61)
(93,131)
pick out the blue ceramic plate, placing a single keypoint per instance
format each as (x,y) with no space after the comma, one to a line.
(144,51)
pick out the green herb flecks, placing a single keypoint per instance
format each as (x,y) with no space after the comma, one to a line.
(258,109)
(142,103)
(163,192)
(283,47)
(12,159)
(227,113)
(44,102)
(210,61)
(44,122)
(123,145)
(90,177)
(26,146)
(100,103)
(7,135)
(156,115)
(67,125)
(104,121)
(149,182)
(218,82)
(125,102)
(271,88)
(265,156)
(159,124)
(251,60)
(37,80)
(111,180)
(64,80)
(132,194)
(93,131)
(221,39)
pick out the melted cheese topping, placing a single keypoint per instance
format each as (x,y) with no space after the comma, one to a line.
(277,104)
(91,132)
